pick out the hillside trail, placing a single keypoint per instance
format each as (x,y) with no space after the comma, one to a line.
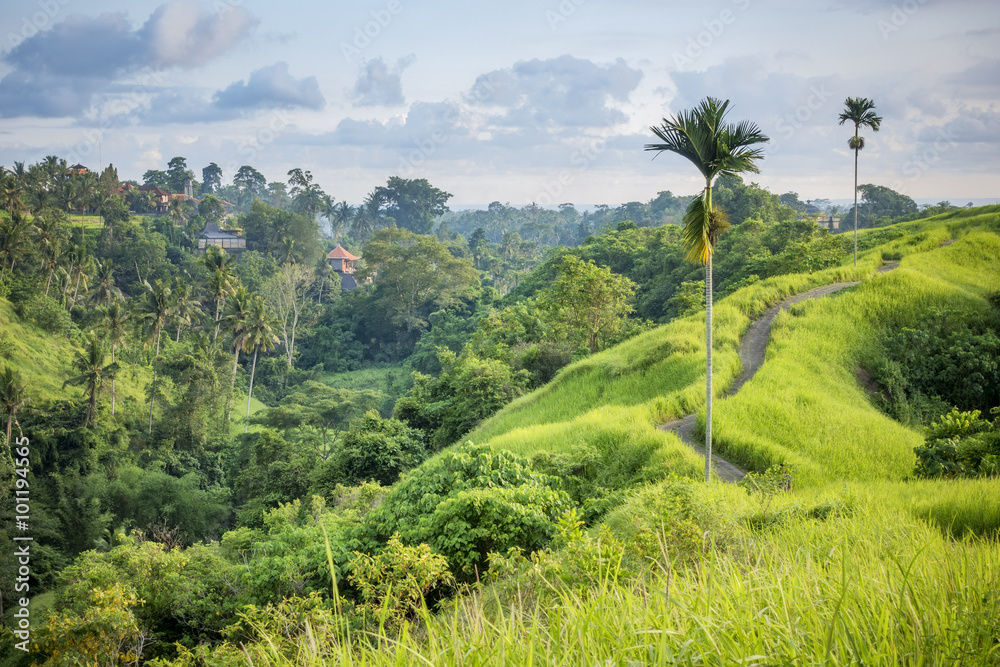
(752,349)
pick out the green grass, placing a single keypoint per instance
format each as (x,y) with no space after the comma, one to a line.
(374,379)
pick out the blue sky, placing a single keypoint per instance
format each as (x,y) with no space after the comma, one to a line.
(547,101)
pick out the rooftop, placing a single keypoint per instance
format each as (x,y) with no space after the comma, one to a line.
(340,253)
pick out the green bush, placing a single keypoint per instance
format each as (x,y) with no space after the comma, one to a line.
(466,503)
(960,444)
(394,584)
(374,449)
(48,314)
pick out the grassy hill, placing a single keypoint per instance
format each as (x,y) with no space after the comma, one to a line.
(858,564)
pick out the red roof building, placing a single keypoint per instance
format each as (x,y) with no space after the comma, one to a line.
(341,260)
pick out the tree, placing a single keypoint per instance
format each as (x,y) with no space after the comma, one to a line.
(286,295)
(591,300)
(13,397)
(211,209)
(115,322)
(156,307)
(258,333)
(13,242)
(155,177)
(411,271)
(221,281)
(307,197)
(716,148)
(105,291)
(861,112)
(93,373)
(178,216)
(211,178)
(178,174)
(251,185)
(235,319)
(413,203)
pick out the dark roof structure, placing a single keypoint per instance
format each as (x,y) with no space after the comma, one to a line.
(212,231)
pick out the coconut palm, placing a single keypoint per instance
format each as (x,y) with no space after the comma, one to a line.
(259,333)
(90,362)
(716,148)
(861,112)
(115,323)
(13,396)
(235,321)
(157,307)
(221,282)
(178,216)
(105,291)
(187,308)
(13,242)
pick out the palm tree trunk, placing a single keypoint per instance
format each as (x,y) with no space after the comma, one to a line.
(253,369)
(855,196)
(232,385)
(217,301)
(708,369)
(152,397)
(112,383)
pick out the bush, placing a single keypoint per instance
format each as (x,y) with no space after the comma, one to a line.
(467,503)
(375,449)
(48,314)
(960,444)
(394,584)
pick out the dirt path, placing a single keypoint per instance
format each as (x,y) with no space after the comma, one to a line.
(752,350)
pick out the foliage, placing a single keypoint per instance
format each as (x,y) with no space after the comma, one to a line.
(397,582)
(413,203)
(960,444)
(373,449)
(466,503)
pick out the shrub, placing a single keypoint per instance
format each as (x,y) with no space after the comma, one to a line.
(394,584)
(467,503)
(960,444)
(377,449)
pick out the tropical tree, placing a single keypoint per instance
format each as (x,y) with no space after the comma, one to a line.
(13,396)
(861,112)
(13,242)
(178,216)
(716,148)
(187,308)
(235,321)
(105,291)
(221,282)
(259,333)
(157,307)
(93,373)
(115,322)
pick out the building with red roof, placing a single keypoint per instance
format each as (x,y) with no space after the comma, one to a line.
(343,263)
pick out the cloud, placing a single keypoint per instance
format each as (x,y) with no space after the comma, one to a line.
(563,91)
(378,85)
(970,126)
(181,34)
(269,88)
(58,72)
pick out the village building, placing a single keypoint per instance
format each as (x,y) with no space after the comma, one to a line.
(342,262)
(211,235)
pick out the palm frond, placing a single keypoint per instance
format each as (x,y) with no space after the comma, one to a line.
(697,237)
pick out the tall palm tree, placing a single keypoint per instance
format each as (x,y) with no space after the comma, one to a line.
(13,396)
(115,323)
(187,308)
(861,112)
(221,281)
(236,318)
(105,291)
(716,148)
(178,216)
(93,373)
(157,307)
(13,241)
(259,334)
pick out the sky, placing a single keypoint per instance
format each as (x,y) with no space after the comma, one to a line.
(545,101)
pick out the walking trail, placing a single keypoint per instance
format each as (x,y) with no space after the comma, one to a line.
(752,349)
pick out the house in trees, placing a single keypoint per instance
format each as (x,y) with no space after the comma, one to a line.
(342,262)
(160,196)
(220,238)
(78,169)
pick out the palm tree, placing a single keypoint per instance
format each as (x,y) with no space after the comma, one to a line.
(861,112)
(13,396)
(258,333)
(93,373)
(221,282)
(115,323)
(177,214)
(105,291)
(157,308)
(187,308)
(716,148)
(13,241)
(236,317)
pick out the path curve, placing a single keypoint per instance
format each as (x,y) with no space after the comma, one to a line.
(752,351)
